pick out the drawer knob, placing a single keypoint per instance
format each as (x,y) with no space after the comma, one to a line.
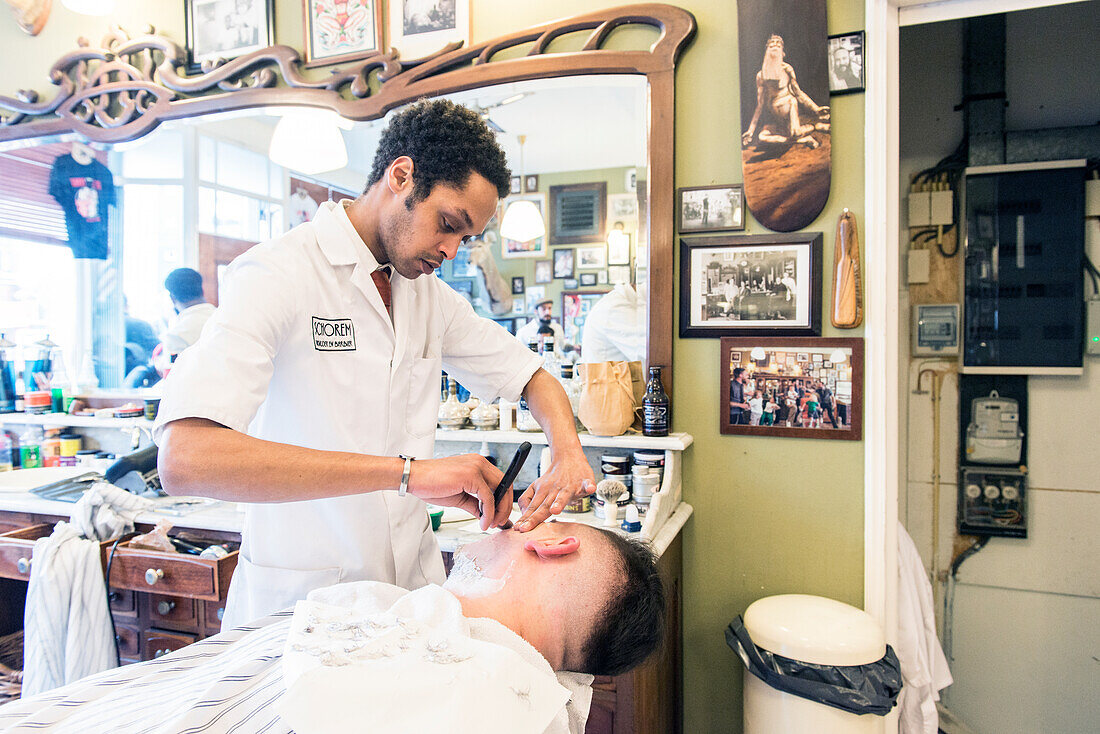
(23,565)
(153,575)
(165,607)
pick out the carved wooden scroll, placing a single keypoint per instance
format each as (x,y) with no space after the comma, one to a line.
(128,85)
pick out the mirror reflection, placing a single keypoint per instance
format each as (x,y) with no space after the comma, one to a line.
(85,284)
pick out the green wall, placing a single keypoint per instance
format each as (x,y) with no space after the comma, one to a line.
(772,515)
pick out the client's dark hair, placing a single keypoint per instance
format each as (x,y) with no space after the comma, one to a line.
(447,142)
(631,625)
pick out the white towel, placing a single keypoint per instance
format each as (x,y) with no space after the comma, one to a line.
(106,511)
(924,670)
(68,633)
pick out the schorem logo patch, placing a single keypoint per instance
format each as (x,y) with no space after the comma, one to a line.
(333,335)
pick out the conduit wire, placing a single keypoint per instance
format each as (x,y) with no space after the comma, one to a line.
(949,596)
(949,170)
(1094,274)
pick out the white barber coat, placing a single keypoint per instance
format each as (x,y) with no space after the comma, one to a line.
(301,351)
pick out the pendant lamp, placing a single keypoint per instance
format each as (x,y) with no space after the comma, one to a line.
(522,220)
(838,356)
(309,141)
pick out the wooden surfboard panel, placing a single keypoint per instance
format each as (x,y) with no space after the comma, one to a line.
(785,145)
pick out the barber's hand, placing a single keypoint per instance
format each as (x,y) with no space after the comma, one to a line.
(569,477)
(466,482)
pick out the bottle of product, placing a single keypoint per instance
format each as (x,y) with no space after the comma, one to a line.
(5,453)
(572,390)
(7,376)
(549,358)
(655,406)
(30,448)
(59,383)
(524,420)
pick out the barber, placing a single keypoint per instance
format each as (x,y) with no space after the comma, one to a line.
(320,372)
(542,325)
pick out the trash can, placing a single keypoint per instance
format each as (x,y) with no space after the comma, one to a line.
(815,665)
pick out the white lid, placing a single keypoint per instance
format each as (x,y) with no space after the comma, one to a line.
(814,629)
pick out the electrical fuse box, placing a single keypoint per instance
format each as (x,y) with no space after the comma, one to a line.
(993,502)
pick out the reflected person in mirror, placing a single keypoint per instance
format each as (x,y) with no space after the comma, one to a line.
(316,384)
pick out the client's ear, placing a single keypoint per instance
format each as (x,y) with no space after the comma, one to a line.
(549,547)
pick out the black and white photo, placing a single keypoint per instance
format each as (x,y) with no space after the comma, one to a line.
(517,285)
(563,262)
(846,63)
(711,209)
(420,27)
(766,284)
(226,29)
(587,279)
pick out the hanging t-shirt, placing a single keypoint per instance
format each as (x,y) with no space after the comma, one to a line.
(84,193)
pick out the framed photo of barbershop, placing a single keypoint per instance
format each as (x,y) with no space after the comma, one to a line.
(766,285)
(801,387)
(711,209)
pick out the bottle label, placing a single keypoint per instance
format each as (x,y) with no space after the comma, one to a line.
(655,419)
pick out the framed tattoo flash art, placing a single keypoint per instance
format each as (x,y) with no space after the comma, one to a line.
(767,393)
(338,31)
(760,284)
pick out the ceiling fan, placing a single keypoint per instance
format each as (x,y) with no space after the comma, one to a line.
(484,110)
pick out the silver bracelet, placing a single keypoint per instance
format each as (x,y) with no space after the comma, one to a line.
(404,488)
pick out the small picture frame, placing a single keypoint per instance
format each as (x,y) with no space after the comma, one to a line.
(337,35)
(217,29)
(601,277)
(759,284)
(535,294)
(618,245)
(464,286)
(846,63)
(461,266)
(617,274)
(587,279)
(771,397)
(530,183)
(544,271)
(564,261)
(623,207)
(515,185)
(419,29)
(517,285)
(569,284)
(593,257)
(711,209)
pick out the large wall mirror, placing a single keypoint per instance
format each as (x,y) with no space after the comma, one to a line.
(587,132)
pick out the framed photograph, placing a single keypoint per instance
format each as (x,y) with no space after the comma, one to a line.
(846,63)
(578,213)
(618,274)
(759,284)
(802,357)
(463,286)
(226,29)
(575,307)
(618,245)
(341,31)
(533,248)
(570,284)
(711,209)
(544,271)
(587,279)
(515,185)
(535,294)
(564,262)
(517,285)
(419,28)
(622,207)
(592,257)
(601,277)
(519,308)
(530,183)
(460,266)
(767,396)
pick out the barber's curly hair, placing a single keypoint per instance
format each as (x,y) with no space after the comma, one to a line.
(632,623)
(446,142)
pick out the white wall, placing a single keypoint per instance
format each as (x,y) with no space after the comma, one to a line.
(1026,618)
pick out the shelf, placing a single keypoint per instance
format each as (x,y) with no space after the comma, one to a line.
(80,421)
(671,442)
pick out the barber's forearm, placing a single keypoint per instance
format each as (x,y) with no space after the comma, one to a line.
(550,406)
(200,457)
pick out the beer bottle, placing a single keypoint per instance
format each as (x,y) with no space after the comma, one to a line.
(655,418)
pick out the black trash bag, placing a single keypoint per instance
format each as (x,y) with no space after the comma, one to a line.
(858,689)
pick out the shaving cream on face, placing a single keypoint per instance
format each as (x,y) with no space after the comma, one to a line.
(469,580)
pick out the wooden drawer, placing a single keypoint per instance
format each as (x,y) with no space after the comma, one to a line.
(160,642)
(175,574)
(129,641)
(212,616)
(123,603)
(172,612)
(15,550)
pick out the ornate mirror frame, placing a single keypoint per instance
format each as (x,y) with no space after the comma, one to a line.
(126,87)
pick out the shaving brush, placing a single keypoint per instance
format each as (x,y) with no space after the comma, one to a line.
(610,490)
